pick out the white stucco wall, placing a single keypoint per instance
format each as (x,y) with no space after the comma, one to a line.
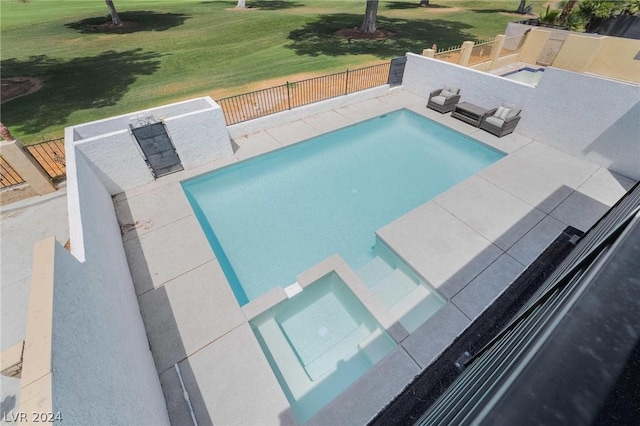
(103,371)
(582,114)
(117,160)
(200,137)
(196,127)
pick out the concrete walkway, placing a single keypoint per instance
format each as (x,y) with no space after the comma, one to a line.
(23,223)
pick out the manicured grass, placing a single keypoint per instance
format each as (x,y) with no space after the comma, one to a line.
(187,48)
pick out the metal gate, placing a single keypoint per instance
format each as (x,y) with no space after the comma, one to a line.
(550,51)
(159,152)
(396,71)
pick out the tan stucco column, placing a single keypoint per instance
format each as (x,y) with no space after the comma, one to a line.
(498,44)
(15,154)
(465,54)
(429,53)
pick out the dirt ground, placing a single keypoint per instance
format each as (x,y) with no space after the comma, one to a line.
(14,87)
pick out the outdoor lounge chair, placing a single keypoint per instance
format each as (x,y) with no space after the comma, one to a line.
(443,100)
(501,121)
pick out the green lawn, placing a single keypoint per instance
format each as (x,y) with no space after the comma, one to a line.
(186,48)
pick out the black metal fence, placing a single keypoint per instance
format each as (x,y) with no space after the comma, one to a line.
(8,176)
(50,155)
(263,102)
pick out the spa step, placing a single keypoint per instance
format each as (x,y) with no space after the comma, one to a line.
(392,288)
(374,271)
(416,307)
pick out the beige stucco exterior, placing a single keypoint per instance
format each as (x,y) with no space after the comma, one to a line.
(577,52)
(535,41)
(617,58)
(613,57)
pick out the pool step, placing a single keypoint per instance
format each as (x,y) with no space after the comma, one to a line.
(410,302)
(395,286)
(374,271)
(416,307)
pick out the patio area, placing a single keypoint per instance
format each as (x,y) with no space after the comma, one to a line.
(469,243)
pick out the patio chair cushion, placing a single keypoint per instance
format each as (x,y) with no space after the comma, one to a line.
(498,122)
(452,90)
(446,93)
(501,113)
(513,112)
(440,100)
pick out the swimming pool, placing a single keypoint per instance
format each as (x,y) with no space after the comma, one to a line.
(527,75)
(272,217)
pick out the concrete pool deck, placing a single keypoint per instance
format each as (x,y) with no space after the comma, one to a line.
(470,243)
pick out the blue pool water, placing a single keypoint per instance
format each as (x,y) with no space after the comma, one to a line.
(526,75)
(272,217)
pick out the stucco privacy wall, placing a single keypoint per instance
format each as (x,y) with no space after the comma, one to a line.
(584,115)
(103,371)
(197,129)
(618,58)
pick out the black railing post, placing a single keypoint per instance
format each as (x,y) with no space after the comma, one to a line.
(346,82)
(288,96)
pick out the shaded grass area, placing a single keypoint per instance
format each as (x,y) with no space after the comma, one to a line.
(67,89)
(144,20)
(319,37)
(181,49)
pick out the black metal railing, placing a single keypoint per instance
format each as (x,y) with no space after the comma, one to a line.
(8,176)
(259,103)
(50,155)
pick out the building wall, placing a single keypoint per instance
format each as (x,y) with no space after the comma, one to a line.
(103,371)
(533,44)
(577,52)
(613,57)
(117,160)
(587,116)
(200,137)
(617,58)
(197,128)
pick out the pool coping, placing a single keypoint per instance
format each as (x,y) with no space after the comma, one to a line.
(411,356)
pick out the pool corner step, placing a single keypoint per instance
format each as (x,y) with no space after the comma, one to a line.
(374,271)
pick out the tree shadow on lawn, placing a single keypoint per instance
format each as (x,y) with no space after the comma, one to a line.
(73,85)
(319,37)
(415,4)
(260,4)
(133,22)
(493,10)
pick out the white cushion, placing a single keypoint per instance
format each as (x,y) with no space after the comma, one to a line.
(446,94)
(501,113)
(513,112)
(453,90)
(440,100)
(495,121)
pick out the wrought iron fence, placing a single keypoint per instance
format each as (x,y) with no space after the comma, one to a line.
(263,102)
(50,155)
(481,51)
(8,176)
(450,54)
